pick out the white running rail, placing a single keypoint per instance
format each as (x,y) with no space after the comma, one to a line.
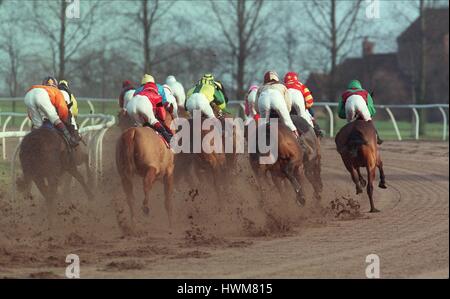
(93,133)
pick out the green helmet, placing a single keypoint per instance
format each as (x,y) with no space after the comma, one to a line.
(354,84)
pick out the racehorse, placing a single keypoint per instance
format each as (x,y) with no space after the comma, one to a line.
(289,164)
(209,164)
(45,156)
(142,151)
(356,142)
(312,156)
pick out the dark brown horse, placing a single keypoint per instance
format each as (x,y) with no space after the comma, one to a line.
(45,156)
(141,151)
(312,154)
(289,164)
(356,142)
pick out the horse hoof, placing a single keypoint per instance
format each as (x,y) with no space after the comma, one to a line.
(300,201)
(146,211)
(358,191)
(382,185)
(374,210)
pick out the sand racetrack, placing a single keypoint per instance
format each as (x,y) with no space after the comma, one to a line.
(232,238)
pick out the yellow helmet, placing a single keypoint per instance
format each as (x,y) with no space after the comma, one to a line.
(64,82)
(147,79)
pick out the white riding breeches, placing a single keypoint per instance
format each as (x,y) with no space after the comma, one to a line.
(178,92)
(140,109)
(272,99)
(355,107)
(127,97)
(198,101)
(40,107)
(251,100)
(298,103)
(172,101)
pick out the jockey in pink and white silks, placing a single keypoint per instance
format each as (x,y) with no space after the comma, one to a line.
(274,96)
(250,102)
(177,90)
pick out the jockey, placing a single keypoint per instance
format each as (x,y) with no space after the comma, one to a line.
(302,100)
(356,103)
(147,109)
(250,102)
(126,94)
(72,104)
(170,101)
(206,94)
(274,96)
(177,90)
(46,102)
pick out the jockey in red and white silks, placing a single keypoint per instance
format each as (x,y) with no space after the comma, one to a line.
(250,102)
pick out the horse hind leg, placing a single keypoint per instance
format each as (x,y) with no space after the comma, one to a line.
(361,178)
(288,170)
(312,174)
(371,172)
(148,181)
(382,183)
(77,175)
(355,177)
(127,186)
(168,191)
(49,193)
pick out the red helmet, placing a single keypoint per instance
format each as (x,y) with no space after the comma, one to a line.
(126,83)
(291,77)
(271,76)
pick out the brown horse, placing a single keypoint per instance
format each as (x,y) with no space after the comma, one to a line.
(289,164)
(356,142)
(45,156)
(141,151)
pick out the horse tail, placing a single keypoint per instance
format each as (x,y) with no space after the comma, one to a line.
(125,153)
(356,139)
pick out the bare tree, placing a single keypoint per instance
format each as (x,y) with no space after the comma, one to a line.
(148,17)
(334,32)
(65,36)
(243,36)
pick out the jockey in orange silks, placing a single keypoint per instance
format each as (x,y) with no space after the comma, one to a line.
(46,103)
(302,100)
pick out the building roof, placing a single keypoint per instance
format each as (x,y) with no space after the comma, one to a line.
(436,24)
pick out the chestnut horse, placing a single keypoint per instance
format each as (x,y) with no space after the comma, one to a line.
(356,142)
(141,151)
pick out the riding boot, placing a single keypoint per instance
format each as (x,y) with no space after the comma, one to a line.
(379,140)
(317,129)
(70,139)
(163,131)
